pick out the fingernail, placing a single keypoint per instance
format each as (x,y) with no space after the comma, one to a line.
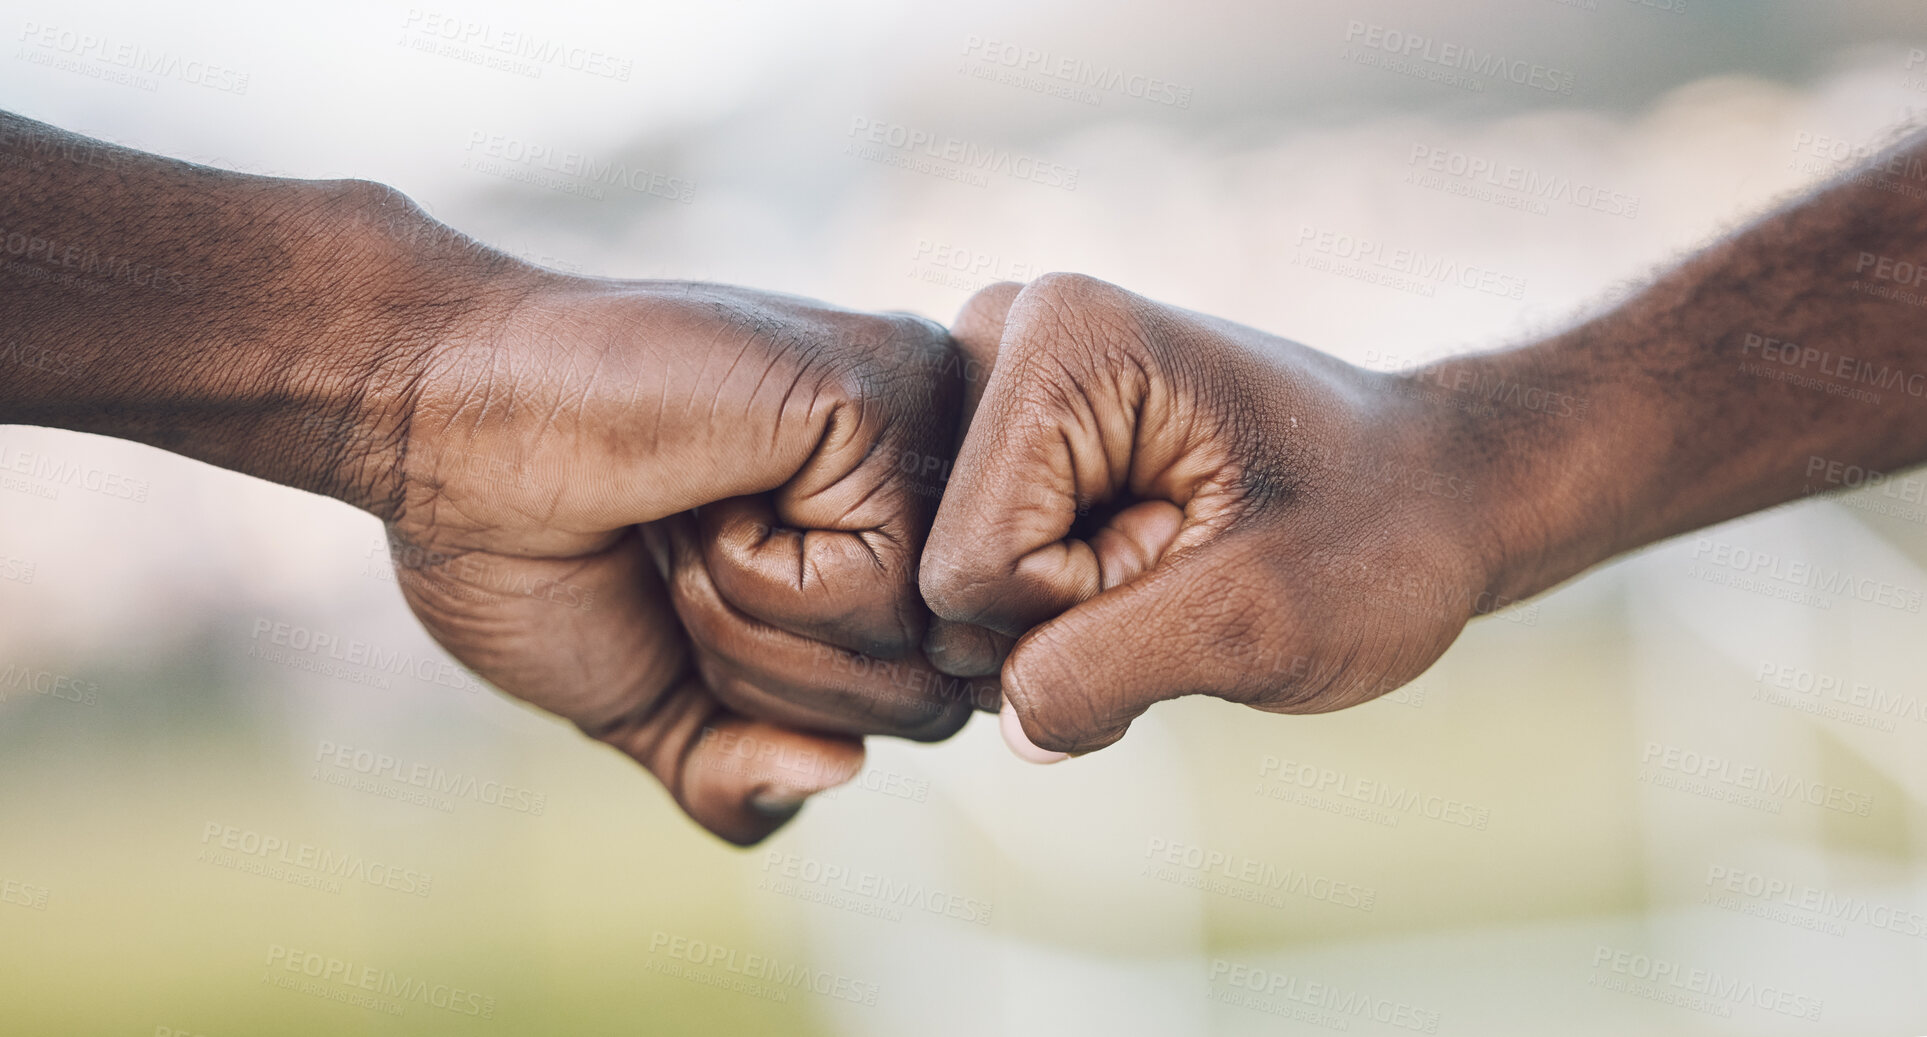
(1020,742)
(777,801)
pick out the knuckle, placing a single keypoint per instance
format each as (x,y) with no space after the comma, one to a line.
(1057,709)
(694,598)
(1076,319)
(1070,287)
(855,380)
(1059,728)
(742,837)
(997,293)
(898,347)
(901,698)
(987,305)
(953,586)
(885,629)
(901,367)
(939,720)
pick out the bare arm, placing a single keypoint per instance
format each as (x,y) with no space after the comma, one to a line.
(1162,503)
(1710,394)
(675,514)
(270,326)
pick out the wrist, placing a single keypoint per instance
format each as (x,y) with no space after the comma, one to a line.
(286,343)
(1526,430)
(380,292)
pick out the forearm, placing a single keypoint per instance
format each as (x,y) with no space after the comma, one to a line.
(1711,393)
(265,325)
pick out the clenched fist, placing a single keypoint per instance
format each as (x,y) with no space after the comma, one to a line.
(681,516)
(1160,503)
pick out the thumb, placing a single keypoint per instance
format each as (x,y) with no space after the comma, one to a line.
(609,656)
(956,648)
(978,329)
(1075,683)
(1057,434)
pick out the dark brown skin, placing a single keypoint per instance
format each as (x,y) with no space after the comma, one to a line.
(684,516)
(675,514)
(1161,503)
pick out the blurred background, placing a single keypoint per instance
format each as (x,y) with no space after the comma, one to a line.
(1679,796)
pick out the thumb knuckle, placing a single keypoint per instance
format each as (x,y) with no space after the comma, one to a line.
(954,584)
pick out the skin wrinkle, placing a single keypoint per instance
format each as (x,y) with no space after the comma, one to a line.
(782,406)
(755,393)
(1073,684)
(305,309)
(875,489)
(332,336)
(704,595)
(583,395)
(803,562)
(716,401)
